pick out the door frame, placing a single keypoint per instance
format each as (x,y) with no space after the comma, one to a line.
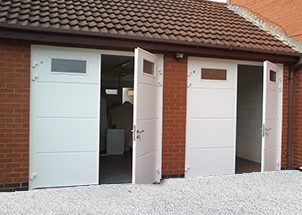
(280,112)
(33,102)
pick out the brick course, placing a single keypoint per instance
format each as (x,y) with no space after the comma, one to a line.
(174,115)
(14,112)
(297,140)
(283,12)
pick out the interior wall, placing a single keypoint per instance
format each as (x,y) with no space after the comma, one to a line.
(249,112)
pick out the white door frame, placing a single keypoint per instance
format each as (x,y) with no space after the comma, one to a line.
(33,110)
(237,62)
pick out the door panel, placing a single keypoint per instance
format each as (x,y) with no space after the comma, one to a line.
(64,117)
(67,100)
(147,137)
(271,117)
(204,130)
(207,103)
(66,135)
(144,165)
(211,118)
(148,94)
(145,119)
(212,161)
(66,169)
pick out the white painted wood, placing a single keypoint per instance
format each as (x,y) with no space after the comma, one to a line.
(64,119)
(272,118)
(145,119)
(211,119)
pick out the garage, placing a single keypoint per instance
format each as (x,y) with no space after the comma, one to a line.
(224,120)
(66,128)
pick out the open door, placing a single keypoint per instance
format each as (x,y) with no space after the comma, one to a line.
(271,117)
(146,169)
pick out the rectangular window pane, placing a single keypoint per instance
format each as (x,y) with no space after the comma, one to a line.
(70,66)
(272,76)
(148,67)
(214,74)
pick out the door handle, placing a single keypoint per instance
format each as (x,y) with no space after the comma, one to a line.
(266,130)
(140,131)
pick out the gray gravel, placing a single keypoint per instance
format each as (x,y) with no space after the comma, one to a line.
(277,192)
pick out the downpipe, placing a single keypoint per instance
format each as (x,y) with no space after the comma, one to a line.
(289,155)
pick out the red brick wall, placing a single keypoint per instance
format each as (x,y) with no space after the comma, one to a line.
(174,115)
(283,12)
(14,111)
(297,142)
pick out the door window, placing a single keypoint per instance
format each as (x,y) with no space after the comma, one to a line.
(68,66)
(273,76)
(148,67)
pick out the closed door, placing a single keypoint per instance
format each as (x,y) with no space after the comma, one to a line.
(211,117)
(65,92)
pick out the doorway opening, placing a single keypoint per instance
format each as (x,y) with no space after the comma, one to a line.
(249,119)
(116,119)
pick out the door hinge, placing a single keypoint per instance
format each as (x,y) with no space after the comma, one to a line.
(263,130)
(157,170)
(35,65)
(189,84)
(35,77)
(160,72)
(189,73)
(159,84)
(33,176)
(134,132)
(187,168)
(280,89)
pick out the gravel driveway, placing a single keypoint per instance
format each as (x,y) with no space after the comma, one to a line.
(277,192)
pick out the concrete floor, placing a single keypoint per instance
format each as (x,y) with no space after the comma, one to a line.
(246,166)
(117,169)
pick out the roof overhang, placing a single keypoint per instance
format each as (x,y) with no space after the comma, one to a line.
(96,39)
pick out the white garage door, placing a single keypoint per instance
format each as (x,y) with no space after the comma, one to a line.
(271,117)
(147,123)
(65,107)
(211,117)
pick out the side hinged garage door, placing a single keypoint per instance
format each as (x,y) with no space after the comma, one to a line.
(211,117)
(64,141)
(147,119)
(271,117)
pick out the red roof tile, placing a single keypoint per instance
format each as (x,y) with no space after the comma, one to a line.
(190,21)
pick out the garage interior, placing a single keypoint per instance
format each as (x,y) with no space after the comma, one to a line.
(117,76)
(249,119)
(117,97)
